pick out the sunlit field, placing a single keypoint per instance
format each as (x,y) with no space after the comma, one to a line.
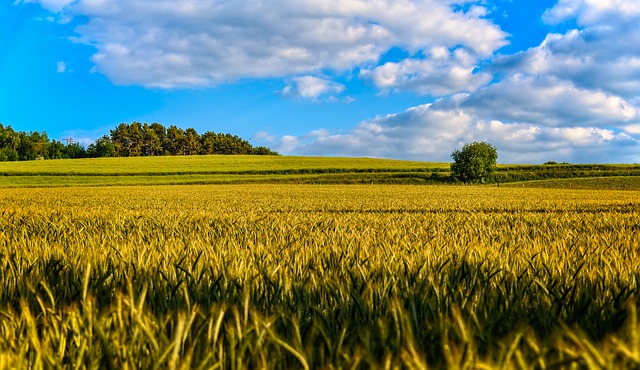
(204,164)
(313,276)
(225,169)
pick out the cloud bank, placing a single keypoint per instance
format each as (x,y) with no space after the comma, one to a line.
(574,97)
(429,132)
(168,43)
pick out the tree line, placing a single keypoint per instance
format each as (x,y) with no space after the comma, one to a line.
(126,140)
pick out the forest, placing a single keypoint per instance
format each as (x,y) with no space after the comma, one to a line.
(126,140)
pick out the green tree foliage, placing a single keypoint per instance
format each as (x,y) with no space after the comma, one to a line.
(125,140)
(474,162)
(135,139)
(151,140)
(23,146)
(191,142)
(8,155)
(103,147)
(120,140)
(75,150)
(56,150)
(262,150)
(9,142)
(218,143)
(32,145)
(152,136)
(175,142)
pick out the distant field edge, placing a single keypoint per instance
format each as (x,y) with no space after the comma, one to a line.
(219,169)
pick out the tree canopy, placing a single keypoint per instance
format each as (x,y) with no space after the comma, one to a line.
(125,140)
(474,162)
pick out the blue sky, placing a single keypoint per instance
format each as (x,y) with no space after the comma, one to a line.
(410,79)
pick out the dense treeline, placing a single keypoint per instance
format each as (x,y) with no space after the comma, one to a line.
(22,146)
(126,140)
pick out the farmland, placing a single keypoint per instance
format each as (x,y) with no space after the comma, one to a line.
(318,276)
(220,169)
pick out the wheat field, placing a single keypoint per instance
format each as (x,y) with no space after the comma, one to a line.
(312,276)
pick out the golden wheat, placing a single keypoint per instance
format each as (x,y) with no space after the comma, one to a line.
(282,276)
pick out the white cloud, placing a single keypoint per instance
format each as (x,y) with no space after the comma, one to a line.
(632,129)
(604,58)
(311,87)
(265,136)
(167,43)
(546,102)
(589,12)
(574,97)
(439,72)
(287,144)
(602,54)
(430,134)
(417,132)
(61,67)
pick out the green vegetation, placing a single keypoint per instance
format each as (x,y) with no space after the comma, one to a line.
(299,276)
(219,169)
(214,169)
(22,146)
(211,164)
(126,140)
(138,139)
(475,162)
(515,173)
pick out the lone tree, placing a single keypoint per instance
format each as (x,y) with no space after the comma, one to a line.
(475,162)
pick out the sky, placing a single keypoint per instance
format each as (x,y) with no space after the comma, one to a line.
(541,80)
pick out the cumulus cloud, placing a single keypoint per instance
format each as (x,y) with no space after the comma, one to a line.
(288,144)
(529,119)
(589,58)
(429,133)
(575,97)
(602,54)
(590,12)
(546,102)
(311,87)
(438,72)
(167,43)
